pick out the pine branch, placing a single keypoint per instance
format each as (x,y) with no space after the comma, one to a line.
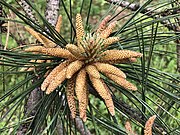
(28,10)
(1,23)
(52,11)
(150,12)
(80,127)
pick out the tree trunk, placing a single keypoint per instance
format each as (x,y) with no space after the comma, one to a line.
(52,11)
(178,55)
(1,22)
(51,14)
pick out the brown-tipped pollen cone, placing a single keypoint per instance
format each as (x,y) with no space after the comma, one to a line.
(87,60)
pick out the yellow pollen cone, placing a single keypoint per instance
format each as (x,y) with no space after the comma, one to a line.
(92,71)
(129,129)
(61,76)
(74,50)
(105,33)
(103,24)
(79,27)
(34,34)
(110,55)
(100,88)
(110,41)
(80,83)
(70,97)
(124,61)
(107,68)
(53,74)
(109,101)
(83,103)
(148,125)
(79,31)
(58,24)
(34,49)
(58,52)
(73,68)
(47,42)
(121,81)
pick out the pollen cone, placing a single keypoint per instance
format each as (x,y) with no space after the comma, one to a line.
(34,49)
(61,76)
(148,125)
(103,24)
(47,42)
(70,97)
(121,81)
(102,90)
(110,41)
(83,103)
(107,68)
(79,27)
(92,71)
(73,68)
(105,33)
(110,55)
(79,31)
(53,74)
(58,52)
(124,61)
(109,102)
(129,129)
(80,83)
(34,34)
(74,50)
(58,24)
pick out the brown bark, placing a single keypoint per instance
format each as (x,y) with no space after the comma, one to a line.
(178,55)
(80,127)
(28,10)
(149,12)
(52,11)
(1,23)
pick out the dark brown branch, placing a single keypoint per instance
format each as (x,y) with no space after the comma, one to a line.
(1,23)
(80,127)
(131,6)
(28,10)
(178,54)
(149,12)
(29,109)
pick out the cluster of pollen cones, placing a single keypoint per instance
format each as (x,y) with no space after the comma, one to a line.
(90,59)
(147,129)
